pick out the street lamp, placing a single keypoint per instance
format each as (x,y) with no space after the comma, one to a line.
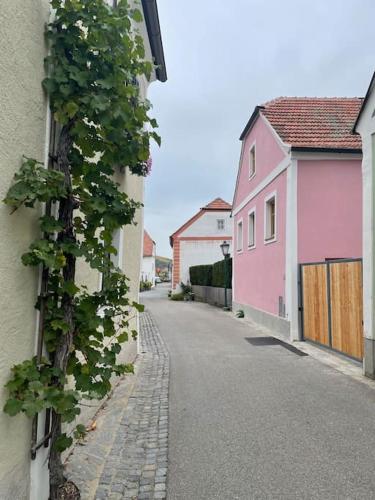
(225,250)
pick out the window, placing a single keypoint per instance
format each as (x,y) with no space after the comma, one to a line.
(270,218)
(220,224)
(239,236)
(252,162)
(251,229)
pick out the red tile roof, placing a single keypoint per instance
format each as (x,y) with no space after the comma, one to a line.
(313,122)
(148,245)
(218,204)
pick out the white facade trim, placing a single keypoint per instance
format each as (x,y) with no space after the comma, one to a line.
(264,183)
(366,127)
(239,249)
(291,251)
(269,197)
(284,146)
(251,147)
(296,155)
(250,212)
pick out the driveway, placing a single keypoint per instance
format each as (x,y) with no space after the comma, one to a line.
(258,422)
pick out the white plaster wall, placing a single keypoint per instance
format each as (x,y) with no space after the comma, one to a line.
(195,253)
(366,127)
(22,132)
(148,269)
(206,225)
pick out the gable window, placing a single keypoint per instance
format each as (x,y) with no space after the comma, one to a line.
(239,236)
(252,166)
(220,224)
(270,218)
(251,229)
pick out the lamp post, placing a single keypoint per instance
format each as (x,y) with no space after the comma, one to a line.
(225,250)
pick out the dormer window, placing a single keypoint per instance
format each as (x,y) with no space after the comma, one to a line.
(252,166)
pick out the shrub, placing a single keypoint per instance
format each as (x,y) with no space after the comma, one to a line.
(201,275)
(145,285)
(240,313)
(186,289)
(178,296)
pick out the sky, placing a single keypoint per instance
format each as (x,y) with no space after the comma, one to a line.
(224,58)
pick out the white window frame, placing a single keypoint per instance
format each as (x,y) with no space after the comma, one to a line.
(252,165)
(217,222)
(252,211)
(269,197)
(239,249)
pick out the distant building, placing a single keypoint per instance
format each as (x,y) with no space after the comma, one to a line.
(198,240)
(148,262)
(164,268)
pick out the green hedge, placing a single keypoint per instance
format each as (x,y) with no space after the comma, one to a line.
(218,274)
(201,275)
(211,275)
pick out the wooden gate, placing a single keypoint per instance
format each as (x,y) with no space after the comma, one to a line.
(331,305)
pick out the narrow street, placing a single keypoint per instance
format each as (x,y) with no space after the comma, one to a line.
(258,422)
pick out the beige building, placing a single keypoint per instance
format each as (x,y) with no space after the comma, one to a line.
(24,130)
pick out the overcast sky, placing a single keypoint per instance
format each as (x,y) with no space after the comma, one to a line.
(223,58)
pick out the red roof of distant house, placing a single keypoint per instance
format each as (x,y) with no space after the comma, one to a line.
(313,123)
(148,245)
(218,204)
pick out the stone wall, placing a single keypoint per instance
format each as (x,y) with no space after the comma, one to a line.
(212,295)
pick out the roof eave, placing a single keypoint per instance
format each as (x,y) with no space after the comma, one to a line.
(251,122)
(150,10)
(368,93)
(229,209)
(309,149)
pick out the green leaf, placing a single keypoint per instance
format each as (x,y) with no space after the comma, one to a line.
(80,431)
(59,324)
(13,406)
(62,443)
(71,109)
(123,337)
(139,307)
(137,16)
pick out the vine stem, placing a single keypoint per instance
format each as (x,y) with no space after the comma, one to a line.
(64,347)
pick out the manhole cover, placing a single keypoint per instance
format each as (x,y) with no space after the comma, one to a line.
(269,341)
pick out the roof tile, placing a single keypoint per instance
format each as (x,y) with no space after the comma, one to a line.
(148,245)
(315,122)
(218,204)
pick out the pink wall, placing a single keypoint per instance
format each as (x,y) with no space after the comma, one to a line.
(268,156)
(259,273)
(329,209)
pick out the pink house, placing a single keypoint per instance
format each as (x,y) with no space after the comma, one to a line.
(298,199)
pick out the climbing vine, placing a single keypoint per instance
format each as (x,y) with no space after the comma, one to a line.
(94,60)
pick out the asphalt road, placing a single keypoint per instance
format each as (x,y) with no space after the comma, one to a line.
(252,422)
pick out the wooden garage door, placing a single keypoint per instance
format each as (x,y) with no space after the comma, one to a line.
(332,312)
(315,303)
(346,308)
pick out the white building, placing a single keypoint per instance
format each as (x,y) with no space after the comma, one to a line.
(148,262)
(365,125)
(198,241)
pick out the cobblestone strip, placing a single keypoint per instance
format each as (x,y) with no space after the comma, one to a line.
(135,465)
